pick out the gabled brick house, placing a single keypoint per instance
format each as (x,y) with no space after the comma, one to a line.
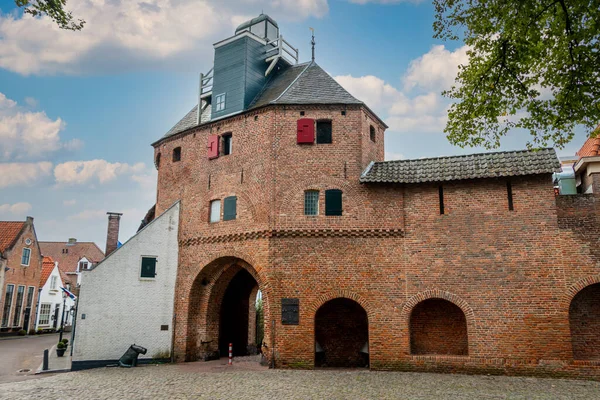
(21,266)
(466,263)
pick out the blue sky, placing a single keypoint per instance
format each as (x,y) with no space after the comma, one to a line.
(78,110)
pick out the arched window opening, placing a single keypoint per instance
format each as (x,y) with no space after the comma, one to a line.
(341,335)
(438,327)
(584,320)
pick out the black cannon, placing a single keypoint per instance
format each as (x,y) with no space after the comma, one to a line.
(129,359)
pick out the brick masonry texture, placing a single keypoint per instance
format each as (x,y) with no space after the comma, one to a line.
(438,327)
(512,274)
(20,275)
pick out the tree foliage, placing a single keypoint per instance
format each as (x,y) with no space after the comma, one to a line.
(532,64)
(55,9)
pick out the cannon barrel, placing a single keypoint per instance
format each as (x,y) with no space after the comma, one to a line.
(129,359)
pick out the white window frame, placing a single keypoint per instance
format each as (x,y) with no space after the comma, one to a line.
(41,321)
(215,211)
(28,256)
(19,310)
(220,102)
(306,192)
(53,282)
(10,303)
(83,264)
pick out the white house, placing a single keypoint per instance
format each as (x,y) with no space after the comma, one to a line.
(51,298)
(128,298)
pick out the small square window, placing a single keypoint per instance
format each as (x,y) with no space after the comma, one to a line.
(311,202)
(148,267)
(215,211)
(177,154)
(227,144)
(220,102)
(25,256)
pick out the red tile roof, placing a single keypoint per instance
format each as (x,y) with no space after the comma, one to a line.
(68,255)
(9,233)
(591,147)
(47,268)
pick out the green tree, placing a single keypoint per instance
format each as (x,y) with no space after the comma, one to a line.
(532,64)
(55,9)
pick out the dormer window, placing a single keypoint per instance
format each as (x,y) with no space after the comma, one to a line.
(220,102)
(83,265)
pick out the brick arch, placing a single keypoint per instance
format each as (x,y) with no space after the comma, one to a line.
(314,306)
(438,294)
(205,297)
(578,287)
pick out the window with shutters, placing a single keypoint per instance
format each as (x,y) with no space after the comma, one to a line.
(148,269)
(305,131)
(324,132)
(25,256)
(215,211)
(229,208)
(213,146)
(333,202)
(311,202)
(177,154)
(227,144)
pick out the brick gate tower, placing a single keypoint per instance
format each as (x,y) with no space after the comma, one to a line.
(452,263)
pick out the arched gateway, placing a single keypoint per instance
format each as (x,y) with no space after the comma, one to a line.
(222,310)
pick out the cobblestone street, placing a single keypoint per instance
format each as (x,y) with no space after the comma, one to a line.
(249,381)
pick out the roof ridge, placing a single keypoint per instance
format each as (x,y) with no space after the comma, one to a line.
(468,155)
(293,82)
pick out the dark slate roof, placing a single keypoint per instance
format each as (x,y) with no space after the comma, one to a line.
(473,166)
(297,84)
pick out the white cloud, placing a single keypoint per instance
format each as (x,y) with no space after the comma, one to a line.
(15,174)
(436,69)
(417,107)
(102,171)
(120,34)
(68,203)
(31,102)
(87,215)
(26,135)
(15,209)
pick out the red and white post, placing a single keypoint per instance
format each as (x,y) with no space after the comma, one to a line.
(230,353)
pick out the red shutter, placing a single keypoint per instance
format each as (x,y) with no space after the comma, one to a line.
(306,131)
(213,147)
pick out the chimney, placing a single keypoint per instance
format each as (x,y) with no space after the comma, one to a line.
(112,235)
(72,241)
(29,220)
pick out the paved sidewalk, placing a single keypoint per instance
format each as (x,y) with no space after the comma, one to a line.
(56,363)
(214,380)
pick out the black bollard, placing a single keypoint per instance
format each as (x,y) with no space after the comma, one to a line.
(45,365)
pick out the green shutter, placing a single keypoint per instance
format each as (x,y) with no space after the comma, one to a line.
(230,208)
(333,202)
(148,267)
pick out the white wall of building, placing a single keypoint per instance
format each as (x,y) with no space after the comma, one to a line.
(118,308)
(52,295)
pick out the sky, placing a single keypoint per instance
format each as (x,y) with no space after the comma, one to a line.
(78,110)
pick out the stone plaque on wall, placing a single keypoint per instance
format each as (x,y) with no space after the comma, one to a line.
(290,311)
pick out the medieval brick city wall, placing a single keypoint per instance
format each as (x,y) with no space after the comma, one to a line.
(512,273)
(19,275)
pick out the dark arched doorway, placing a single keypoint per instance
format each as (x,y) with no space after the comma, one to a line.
(584,320)
(341,334)
(438,326)
(236,311)
(222,310)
